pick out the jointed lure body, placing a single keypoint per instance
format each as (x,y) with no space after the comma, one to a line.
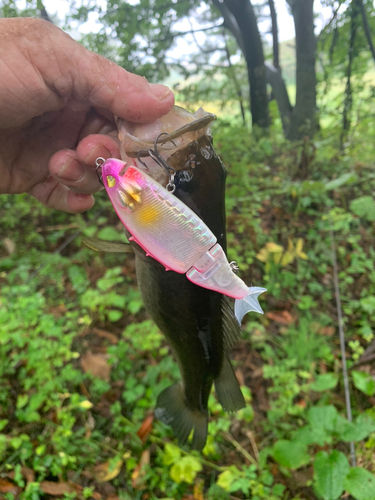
(173,234)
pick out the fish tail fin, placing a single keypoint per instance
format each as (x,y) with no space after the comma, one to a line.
(228,389)
(171,409)
(248,303)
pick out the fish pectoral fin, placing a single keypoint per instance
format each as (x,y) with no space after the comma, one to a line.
(228,389)
(248,303)
(171,409)
(106,246)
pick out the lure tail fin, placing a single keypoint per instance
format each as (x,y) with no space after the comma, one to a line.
(227,388)
(171,409)
(248,303)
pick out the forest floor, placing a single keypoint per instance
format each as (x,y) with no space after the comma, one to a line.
(81,363)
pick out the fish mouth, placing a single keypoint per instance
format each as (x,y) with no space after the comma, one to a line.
(150,146)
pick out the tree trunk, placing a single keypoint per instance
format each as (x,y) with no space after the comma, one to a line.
(251,44)
(304,113)
(280,94)
(274,76)
(235,81)
(367,28)
(275,34)
(354,25)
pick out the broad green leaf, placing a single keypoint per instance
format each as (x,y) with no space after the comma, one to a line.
(216,492)
(360,483)
(308,435)
(359,429)
(343,427)
(114,315)
(22,400)
(364,206)
(3,423)
(78,277)
(322,417)
(368,304)
(324,382)
(291,454)
(3,444)
(329,473)
(110,234)
(185,470)
(171,454)
(340,181)
(227,478)
(364,382)
(86,404)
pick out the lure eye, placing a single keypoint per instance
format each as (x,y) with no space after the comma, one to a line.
(111,181)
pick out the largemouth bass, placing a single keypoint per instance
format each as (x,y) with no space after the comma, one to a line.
(198,323)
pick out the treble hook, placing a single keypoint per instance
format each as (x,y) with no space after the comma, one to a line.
(156,156)
(99,162)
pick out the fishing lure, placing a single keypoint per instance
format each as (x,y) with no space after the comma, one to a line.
(173,234)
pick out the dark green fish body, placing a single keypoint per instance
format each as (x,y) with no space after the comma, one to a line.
(198,323)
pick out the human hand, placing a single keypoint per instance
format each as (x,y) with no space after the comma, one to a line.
(57,107)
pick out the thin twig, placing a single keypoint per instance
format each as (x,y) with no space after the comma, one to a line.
(189,32)
(250,435)
(342,341)
(240,448)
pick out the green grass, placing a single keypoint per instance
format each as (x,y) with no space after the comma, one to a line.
(81,364)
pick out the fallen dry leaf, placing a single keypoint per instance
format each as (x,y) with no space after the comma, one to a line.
(282,317)
(145,428)
(328,331)
(27,473)
(107,335)
(96,364)
(58,311)
(57,489)
(240,376)
(198,490)
(7,487)
(140,470)
(107,470)
(9,245)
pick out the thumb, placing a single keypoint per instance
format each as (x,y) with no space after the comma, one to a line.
(105,85)
(87,77)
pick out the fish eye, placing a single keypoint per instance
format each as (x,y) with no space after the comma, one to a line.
(111,181)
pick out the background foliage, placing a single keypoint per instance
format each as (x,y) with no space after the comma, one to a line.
(81,363)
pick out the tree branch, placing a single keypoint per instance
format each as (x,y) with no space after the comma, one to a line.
(183,33)
(367,28)
(230,23)
(235,81)
(204,51)
(275,34)
(348,88)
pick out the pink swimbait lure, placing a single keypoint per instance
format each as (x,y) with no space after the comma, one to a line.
(173,234)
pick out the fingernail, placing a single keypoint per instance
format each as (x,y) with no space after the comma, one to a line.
(72,170)
(98,151)
(82,196)
(160,91)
